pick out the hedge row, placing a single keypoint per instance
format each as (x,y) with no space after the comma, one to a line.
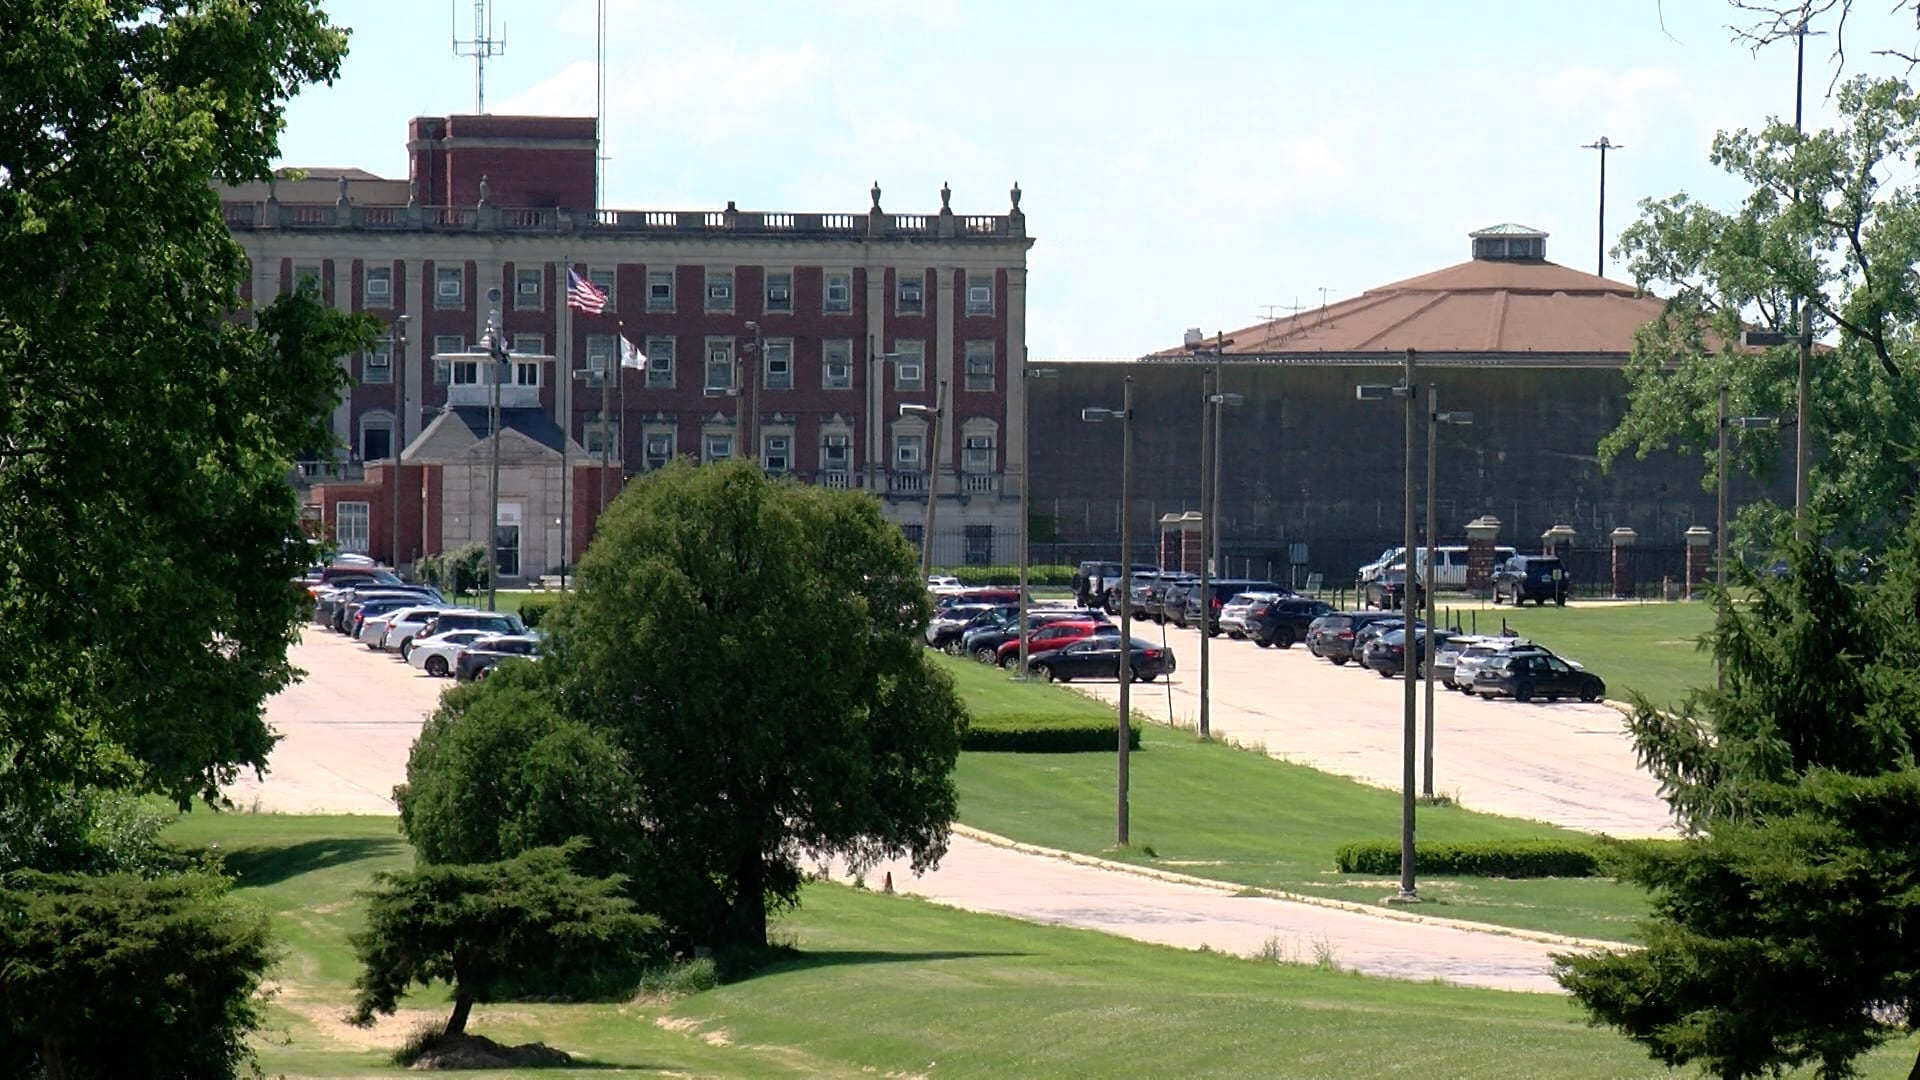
(1489,858)
(1009,575)
(1043,737)
(535,608)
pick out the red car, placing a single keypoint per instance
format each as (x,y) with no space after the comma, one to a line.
(1049,637)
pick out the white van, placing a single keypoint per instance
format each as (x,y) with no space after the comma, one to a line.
(1450,564)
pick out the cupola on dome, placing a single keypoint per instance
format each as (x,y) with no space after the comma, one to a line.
(1509,242)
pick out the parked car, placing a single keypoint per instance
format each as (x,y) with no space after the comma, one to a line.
(1331,636)
(435,655)
(374,626)
(1538,578)
(977,594)
(1110,593)
(1283,620)
(494,622)
(1385,590)
(944,629)
(1095,582)
(1051,636)
(1524,676)
(1233,613)
(1172,605)
(1476,655)
(1387,653)
(1367,634)
(404,625)
(1151,591)
(480,657)
(1447,650)
(1449,564)
(1099,658)
(983,643)
(1217,593)
(942,583)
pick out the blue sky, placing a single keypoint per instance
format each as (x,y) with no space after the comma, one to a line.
(1182,164)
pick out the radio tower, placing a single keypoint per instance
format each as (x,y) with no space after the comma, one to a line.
(482,46)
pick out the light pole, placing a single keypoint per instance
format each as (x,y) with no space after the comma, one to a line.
(1603,145)
(497,349)
(1434,419)
(1027,374)
(746,408)
(1124,414)
(1407,391)
(399,423)
(933,416)
(1212,401)
(1744,423)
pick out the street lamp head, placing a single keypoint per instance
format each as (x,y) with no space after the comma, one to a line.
(1193,337)
(1094,416)
(1765,339)
(1456,416)
(1226,399)
(1754,423)
(1373,392)
(1040,372)
(908,408)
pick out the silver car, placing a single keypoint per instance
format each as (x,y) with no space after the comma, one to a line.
(1233,613)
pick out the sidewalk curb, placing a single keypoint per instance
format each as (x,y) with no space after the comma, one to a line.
(1231,889)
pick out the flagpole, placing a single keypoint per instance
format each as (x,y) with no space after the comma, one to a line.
(564,376)
(623,401)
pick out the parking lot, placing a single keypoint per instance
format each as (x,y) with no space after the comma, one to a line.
(1564,762)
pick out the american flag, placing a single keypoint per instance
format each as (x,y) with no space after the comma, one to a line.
(582,296)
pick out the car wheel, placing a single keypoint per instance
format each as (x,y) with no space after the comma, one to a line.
(406,649)
(1283,638)
(1042,672)
(1593,691)
(1338,661)
(437,666)
(1559,601)
(1265,643)
(1384,673)
(1144,678)
(1012,659)
(1522,691)
(1236,635)
(984,655)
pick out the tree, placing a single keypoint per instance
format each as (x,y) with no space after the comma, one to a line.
(119,976)
(752,646)
(1784,928)
(146,431)
(497,931)
(1827,234)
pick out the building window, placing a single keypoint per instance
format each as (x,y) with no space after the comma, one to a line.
(909,295)
(906,453)
(979,295)
(979,545)
(659,290)
(719,366)
(976,454)
(839,292)
(779,291)
(449,285)
(603,280)
(779,362)
(351,522)
(659,449)
(717,447)
(980,365)
(776,453)
(446,343)
(660,363)
(376,437)
(836,452)
(376,364)
(378,288)
(307,279)
(530,344)
(528,287)
(526,373)
(600,357)
(913,532)
(908,359)
(836,365)
(466,373)
(600,433)
(719,290)
(506,543)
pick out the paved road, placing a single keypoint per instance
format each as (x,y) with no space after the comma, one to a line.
(348,728)
(1564,762)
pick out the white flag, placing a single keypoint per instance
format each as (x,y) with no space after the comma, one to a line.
(631,356)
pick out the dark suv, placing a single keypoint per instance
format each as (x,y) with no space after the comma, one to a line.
(1332,634)
(1207,604)
(1284,621)
(1538,578)
(1149,599)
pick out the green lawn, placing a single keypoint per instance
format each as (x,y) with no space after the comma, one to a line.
(891,986)
(1651,648)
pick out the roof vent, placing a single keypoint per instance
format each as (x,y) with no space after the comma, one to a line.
(1509,242)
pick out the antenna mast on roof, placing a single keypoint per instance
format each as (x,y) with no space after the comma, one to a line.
(600,108)
(483,45)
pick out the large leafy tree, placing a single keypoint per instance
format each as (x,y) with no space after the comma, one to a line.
(1829,233)
(1784,925)
(147,531)
(751,646)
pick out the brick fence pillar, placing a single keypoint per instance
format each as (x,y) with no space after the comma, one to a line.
(1623,538)
(1698,537)
(1482,532)
(1192,551)
(1169,540)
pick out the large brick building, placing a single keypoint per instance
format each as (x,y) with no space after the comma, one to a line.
(794,337)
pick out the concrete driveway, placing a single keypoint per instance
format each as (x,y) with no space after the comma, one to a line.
(1565,762)
(349,726)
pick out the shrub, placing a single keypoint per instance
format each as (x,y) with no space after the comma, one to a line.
(1042,736)
(1488,858)
(535,608)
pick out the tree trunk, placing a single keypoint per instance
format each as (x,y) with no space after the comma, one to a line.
(53,1058)
(457,1023)
(747,922)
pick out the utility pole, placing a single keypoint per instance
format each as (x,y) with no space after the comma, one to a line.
(399,424)
(497,350)
(1603,145)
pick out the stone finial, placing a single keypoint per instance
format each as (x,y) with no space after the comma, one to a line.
(343,190)
(1015,194)
(413,191)
(946,198)
(876,196)
(486,192)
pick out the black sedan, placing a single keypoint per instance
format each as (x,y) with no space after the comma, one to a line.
(1528,675)
(1387,654)
(946,627)
(474,661)
(1099,658)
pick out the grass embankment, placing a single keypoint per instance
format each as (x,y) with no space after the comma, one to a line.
(888,985)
